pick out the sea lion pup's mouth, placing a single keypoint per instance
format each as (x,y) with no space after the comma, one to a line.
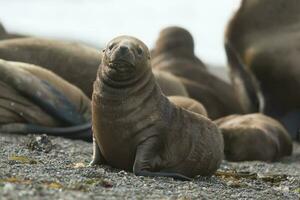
(121,66)
(119,71)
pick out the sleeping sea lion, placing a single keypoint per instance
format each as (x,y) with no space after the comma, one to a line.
(136,127)
(174,52)
(262,45)
(73,62)
(254,137)
(35,100)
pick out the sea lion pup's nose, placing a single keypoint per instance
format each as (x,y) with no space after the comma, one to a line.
(123,53)
(123,49)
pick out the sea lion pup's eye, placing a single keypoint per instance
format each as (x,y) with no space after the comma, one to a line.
(103,50)
(139,51)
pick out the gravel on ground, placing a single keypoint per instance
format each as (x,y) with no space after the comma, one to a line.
(41,167)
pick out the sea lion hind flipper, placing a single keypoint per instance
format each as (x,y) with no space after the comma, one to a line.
(146,157)
(98,158)
(82,131)
(163,174)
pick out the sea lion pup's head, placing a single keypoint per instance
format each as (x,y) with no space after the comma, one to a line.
(125,60)
(176,39)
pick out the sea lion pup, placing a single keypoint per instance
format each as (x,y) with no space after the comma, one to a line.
(174,52)
(254,137)
(35,100)
(136,127)
(73,62)
(265,36)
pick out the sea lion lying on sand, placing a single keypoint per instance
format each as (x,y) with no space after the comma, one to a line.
(35,100)
(174,53)
(73,62)
(136,127)
(254,137)
(262,45)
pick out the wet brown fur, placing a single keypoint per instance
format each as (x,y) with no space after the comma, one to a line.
(75,63)
(137,128)
(174,52)
(265,35)
(254,137)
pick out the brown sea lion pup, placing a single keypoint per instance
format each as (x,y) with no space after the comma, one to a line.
(35,100)
(174,52)
(73,62)
(262,45)
(254,137)
(170,84)
(136,127)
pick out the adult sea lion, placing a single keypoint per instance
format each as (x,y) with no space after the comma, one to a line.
(136,127)
(174,52)
(262,44)
(73,62)
(35,100)
(254,137)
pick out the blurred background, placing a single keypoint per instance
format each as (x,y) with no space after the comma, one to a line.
(95,22)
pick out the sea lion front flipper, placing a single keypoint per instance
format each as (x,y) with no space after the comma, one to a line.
(244,82)
(98,158)
(146,158)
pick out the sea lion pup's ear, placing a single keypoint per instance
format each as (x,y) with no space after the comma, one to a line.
(245,85)
(82,132)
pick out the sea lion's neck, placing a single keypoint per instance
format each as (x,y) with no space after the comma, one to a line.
(137,93)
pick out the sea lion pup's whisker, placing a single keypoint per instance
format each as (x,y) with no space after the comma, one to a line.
(137,128)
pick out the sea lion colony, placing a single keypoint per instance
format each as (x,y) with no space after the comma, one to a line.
(164,114)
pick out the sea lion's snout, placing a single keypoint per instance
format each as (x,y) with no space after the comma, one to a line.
(122,53)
